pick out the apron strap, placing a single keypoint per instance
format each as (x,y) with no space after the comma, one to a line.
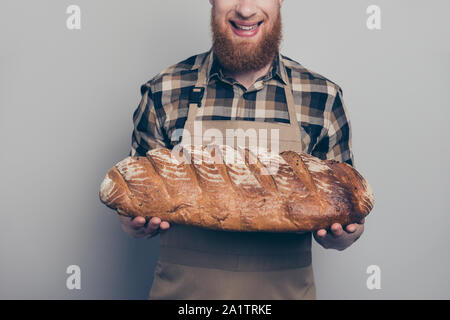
(197,96)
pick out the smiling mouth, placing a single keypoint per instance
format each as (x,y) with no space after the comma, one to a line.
(246,26)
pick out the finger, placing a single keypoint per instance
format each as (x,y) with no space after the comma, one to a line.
(336,229)
(130,223)
(164,225)
(151,228)
(321,233)
(351,227)
(138,222)
(135,232)
(153,225)
(155,221)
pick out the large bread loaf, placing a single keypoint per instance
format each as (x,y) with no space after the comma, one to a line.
(227,189)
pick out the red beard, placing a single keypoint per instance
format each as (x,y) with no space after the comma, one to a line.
(244,56)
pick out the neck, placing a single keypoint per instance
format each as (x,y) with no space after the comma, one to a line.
(248,78)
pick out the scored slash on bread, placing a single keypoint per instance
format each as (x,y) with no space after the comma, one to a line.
(222,188)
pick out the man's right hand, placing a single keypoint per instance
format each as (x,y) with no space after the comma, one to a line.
(138,228)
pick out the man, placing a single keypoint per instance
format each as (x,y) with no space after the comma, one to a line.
(248,84)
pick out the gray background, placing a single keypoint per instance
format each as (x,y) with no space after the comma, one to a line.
(67,99)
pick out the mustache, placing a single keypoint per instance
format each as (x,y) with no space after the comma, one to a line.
(250,21)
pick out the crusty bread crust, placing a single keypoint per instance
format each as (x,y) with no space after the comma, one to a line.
(227,189)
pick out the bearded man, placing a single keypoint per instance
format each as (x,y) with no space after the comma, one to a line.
(242,82)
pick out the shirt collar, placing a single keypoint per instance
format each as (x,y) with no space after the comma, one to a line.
(275,72)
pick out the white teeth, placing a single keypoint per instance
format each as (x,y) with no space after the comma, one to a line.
(247,28)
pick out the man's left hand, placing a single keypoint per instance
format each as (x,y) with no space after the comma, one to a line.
(337,237)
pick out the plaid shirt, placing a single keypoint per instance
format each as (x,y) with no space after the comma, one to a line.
(163,109)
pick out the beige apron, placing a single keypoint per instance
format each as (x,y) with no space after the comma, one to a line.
(197,263)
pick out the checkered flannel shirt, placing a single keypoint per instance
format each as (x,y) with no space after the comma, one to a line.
(163,109)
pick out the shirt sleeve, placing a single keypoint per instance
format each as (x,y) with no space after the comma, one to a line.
(336,144)
(147,132)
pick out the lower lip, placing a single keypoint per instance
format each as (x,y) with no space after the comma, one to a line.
(245,33)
